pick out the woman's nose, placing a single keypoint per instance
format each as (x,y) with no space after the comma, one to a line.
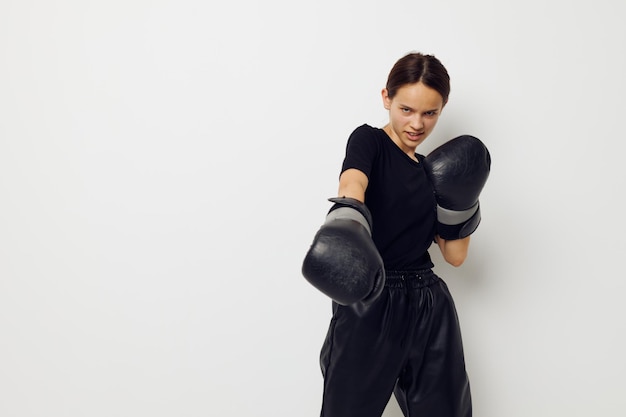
(417,123)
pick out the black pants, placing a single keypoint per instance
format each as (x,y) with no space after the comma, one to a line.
(407,342)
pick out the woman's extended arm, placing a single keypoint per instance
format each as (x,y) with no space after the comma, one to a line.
(353,183)
(454,251)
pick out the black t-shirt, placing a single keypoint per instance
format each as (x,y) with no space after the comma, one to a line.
(399,196)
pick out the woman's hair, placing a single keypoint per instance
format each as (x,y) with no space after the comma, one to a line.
(417,67)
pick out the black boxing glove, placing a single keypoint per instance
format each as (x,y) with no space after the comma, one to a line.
(343,261)
(458,171)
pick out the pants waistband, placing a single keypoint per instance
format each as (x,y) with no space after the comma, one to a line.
(410,279)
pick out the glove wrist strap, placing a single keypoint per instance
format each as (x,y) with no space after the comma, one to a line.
(348,213)
(453,217)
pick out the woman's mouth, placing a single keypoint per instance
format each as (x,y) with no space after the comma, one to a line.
(414,135)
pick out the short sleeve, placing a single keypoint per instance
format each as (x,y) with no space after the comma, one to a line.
(361,150)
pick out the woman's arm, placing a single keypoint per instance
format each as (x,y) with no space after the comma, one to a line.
(353,183)
(454,251)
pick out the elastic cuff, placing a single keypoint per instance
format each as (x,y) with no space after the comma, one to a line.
(350,214)
(454,217)
(459,231)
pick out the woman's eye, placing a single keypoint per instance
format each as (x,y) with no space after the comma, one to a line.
(405,110)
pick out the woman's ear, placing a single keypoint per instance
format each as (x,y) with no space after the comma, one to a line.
(386,99)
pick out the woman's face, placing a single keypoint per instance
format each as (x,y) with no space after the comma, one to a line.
(413,114)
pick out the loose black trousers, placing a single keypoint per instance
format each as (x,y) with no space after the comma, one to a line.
(407,342)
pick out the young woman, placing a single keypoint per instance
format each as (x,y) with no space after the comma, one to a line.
(394,327)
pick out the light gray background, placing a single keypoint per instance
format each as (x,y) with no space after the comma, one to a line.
(164,166)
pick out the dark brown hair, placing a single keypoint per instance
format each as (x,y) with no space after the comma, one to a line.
(417,67)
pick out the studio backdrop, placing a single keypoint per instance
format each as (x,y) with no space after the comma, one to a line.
(164,166)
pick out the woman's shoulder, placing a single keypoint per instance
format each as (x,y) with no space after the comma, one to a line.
(365,140)
(366,131)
